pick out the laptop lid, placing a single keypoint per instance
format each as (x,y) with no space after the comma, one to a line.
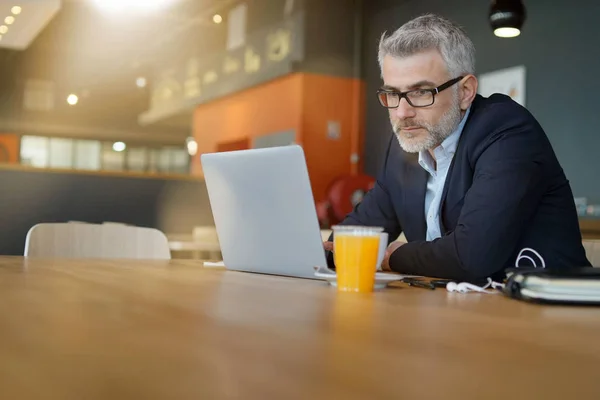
(264,211)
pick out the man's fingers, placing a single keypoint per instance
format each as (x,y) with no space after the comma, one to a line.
(328,246)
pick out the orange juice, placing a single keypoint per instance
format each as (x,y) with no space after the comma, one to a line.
(355,257)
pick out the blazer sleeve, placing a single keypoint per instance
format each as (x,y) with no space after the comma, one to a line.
(508,184)
(376,209)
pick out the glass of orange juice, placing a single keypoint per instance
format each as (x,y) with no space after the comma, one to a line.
(355,250)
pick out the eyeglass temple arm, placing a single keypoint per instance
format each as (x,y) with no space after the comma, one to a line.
(447,84)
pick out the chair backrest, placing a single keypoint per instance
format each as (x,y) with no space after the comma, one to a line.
(65,240)
(592,251)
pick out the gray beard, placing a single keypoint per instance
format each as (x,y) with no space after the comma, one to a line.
(437,133)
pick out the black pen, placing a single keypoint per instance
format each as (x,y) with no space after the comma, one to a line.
(440,283)
(422,284)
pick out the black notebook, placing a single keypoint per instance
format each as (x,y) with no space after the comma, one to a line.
(575,286)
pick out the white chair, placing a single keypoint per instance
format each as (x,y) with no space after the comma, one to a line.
(68,240)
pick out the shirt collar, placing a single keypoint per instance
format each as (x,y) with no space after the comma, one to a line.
(444,150)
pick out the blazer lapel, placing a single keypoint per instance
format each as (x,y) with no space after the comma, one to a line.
(453,178)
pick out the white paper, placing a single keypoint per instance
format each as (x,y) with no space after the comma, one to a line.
(214,264)
(236,27)
(508,81)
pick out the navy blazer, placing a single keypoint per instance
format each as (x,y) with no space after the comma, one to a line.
(505,191)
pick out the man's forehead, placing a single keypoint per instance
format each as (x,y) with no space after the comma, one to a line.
(406,72)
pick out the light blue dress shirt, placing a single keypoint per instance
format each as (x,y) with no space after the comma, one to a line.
(444,154)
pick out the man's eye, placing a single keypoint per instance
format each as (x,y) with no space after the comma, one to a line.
(420,93)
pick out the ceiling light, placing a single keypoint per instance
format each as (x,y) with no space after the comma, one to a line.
(16,10)
(217,19)
(3,29)
(9,20)
(507,32)
(141,82)
(72,99)
(119,146)
(192,146)
(136,5)
(507,17)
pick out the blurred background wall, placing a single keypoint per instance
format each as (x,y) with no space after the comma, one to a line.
(557,47)
(106,106)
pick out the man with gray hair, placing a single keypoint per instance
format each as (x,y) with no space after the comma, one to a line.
(485,183)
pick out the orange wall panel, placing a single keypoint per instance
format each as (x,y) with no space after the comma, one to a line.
(240,144)
(328,98)
(301,102)
(271,107)
(9,148)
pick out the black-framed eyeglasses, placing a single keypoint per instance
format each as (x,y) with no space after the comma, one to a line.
(416,98)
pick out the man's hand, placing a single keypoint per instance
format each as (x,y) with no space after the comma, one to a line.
(328,246)
(385,264)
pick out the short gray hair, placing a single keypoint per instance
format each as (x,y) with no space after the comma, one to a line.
(428,32)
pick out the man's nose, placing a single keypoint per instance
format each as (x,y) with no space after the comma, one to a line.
(404,110)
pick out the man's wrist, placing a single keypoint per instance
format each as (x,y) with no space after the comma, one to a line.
(392,249)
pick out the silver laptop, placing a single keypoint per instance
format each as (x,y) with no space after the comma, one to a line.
(264,211)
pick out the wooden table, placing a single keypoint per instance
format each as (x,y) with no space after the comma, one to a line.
(147,330)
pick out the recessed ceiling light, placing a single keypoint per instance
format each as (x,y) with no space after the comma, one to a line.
(141,82)
(9,20)
(72,99)
(119,146)
(3,29)
(217,19)
(16,10)
(135,5)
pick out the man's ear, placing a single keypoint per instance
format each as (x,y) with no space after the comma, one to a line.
(468,91)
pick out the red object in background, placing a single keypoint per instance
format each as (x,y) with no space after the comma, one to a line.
(343,194)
